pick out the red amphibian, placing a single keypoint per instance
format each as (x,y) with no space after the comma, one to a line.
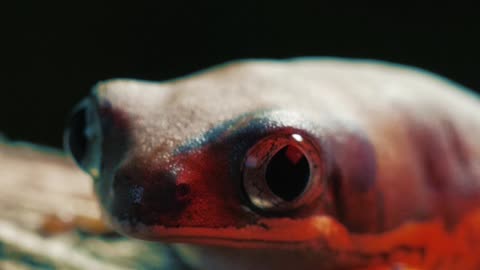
(297,164)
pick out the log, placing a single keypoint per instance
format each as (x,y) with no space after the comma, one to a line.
(49,218)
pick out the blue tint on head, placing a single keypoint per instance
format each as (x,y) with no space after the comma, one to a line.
(229,128)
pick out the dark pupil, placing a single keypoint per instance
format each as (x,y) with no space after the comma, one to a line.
(288,173)
(77,141)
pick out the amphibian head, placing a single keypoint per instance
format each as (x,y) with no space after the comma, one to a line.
(304,154)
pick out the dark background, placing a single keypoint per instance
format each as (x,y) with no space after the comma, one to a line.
(55,52)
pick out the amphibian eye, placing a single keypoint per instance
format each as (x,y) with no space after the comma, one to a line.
(283,172)
(82,137)
(76,141)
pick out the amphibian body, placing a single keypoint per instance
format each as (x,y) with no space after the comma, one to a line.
(299,164)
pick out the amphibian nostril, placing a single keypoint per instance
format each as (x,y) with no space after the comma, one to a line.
(82,137)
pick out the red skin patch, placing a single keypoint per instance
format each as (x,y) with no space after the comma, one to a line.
(200,193)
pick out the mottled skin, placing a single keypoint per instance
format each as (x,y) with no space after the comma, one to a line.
(399,146)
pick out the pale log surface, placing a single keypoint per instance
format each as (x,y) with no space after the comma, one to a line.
(47,213)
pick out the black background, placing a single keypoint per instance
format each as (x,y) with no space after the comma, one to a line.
(55,52)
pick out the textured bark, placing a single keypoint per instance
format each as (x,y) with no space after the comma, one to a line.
(49,218)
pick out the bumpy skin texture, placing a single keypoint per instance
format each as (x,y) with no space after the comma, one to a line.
(401,153)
